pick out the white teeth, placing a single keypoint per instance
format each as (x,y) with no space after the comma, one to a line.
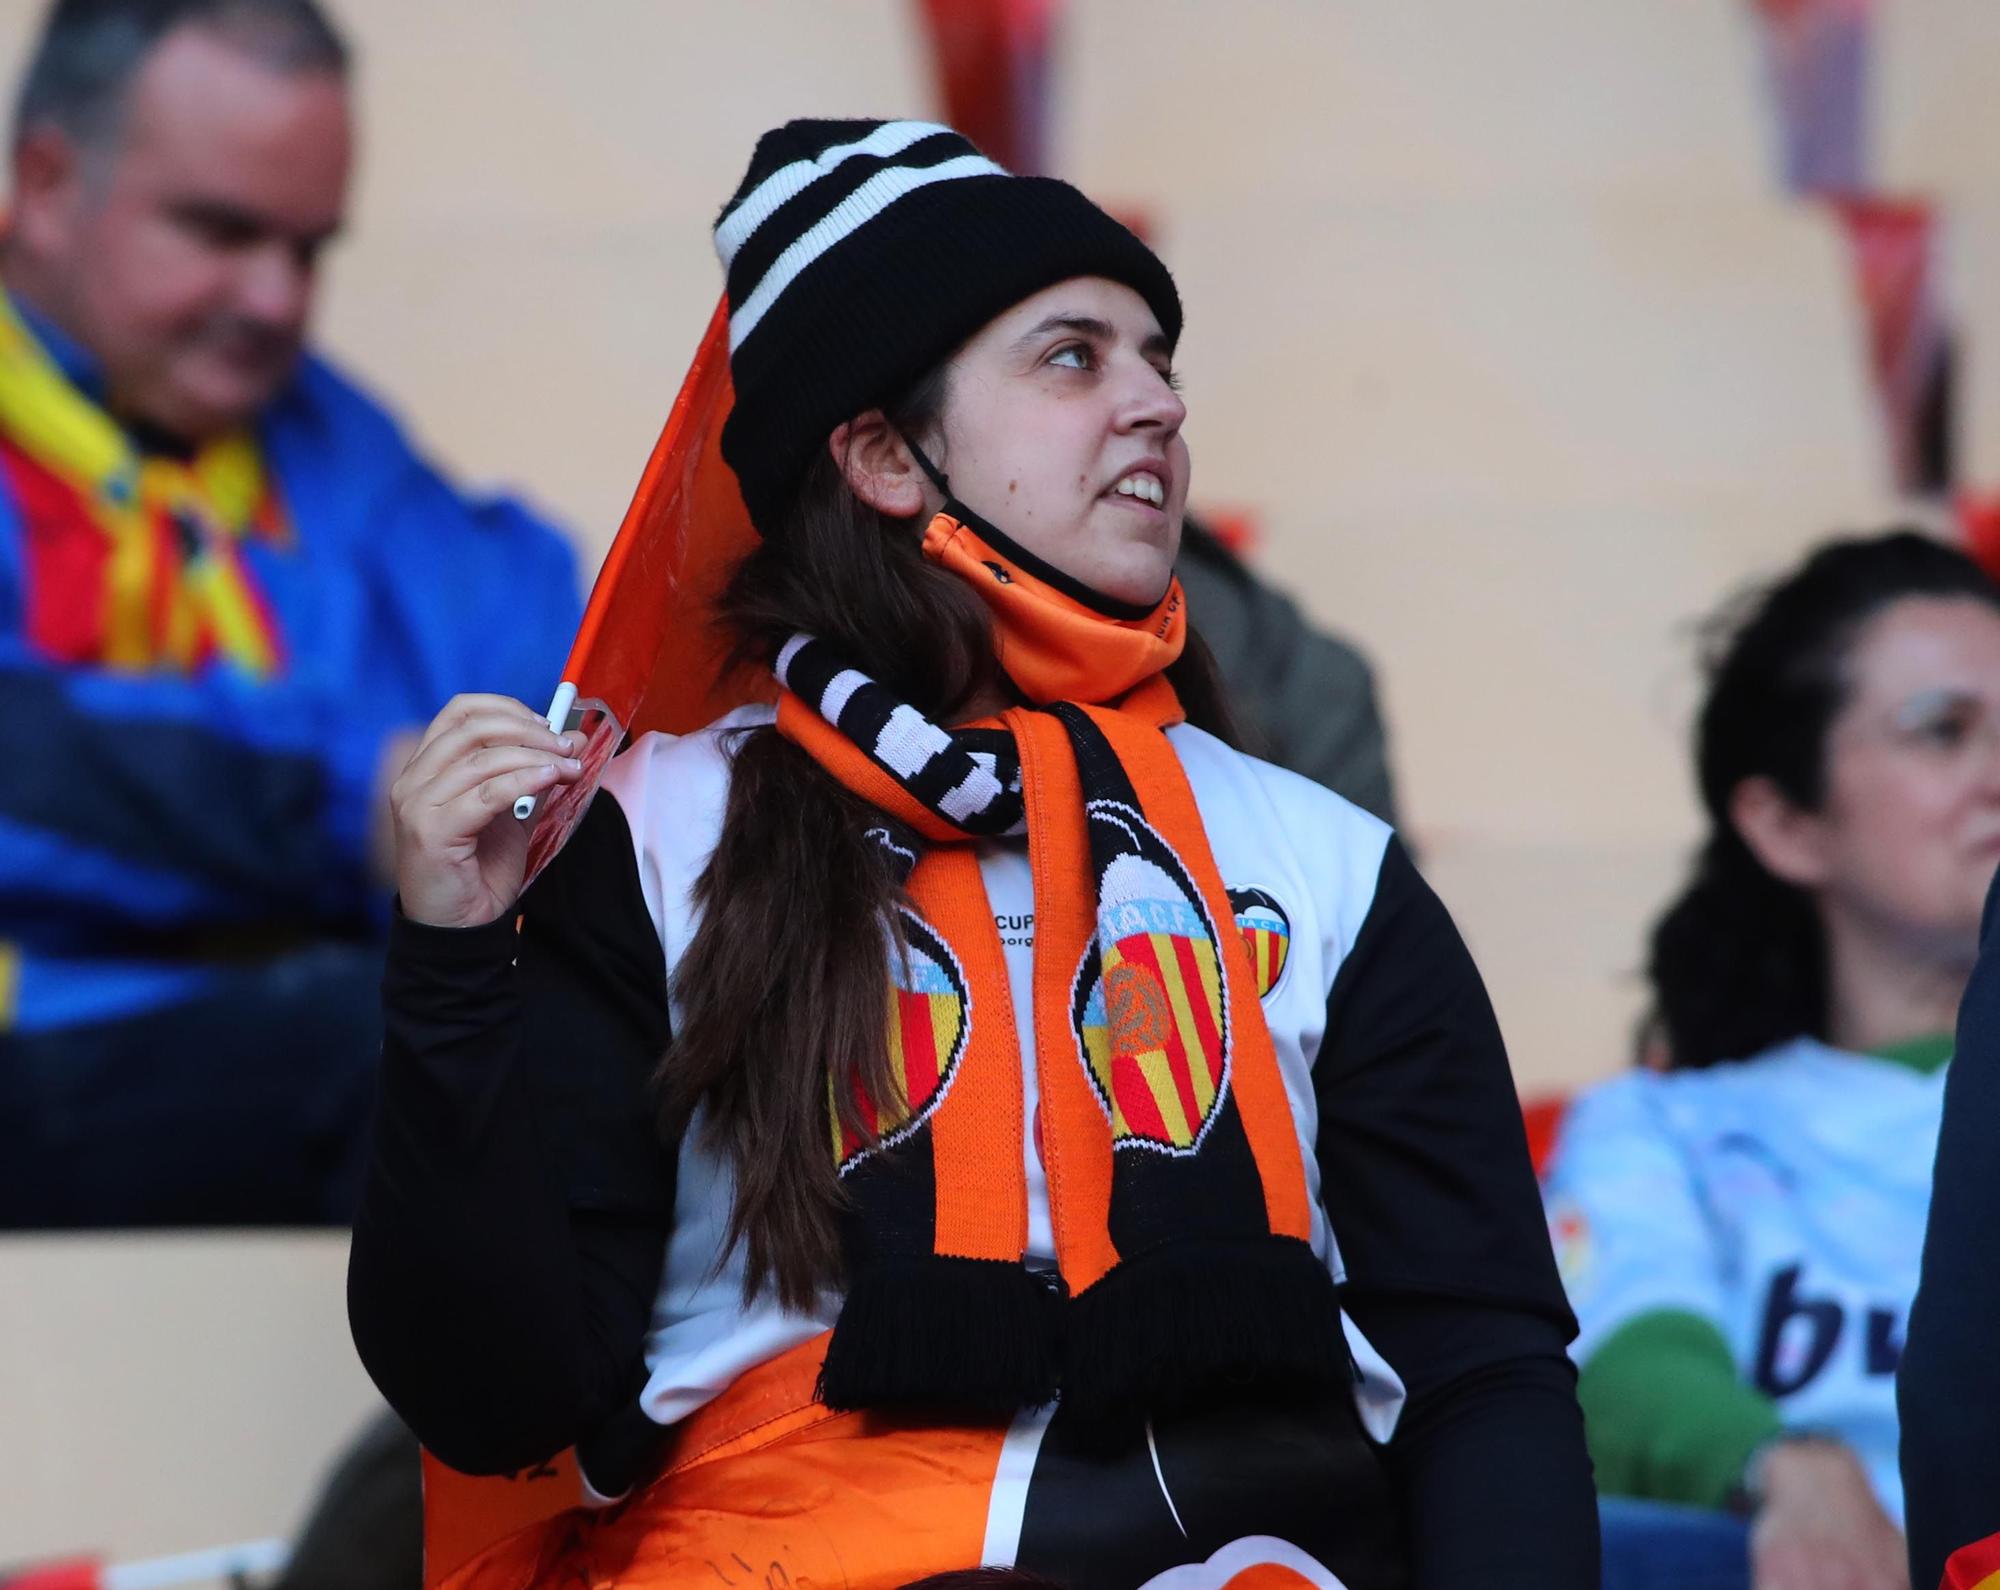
(1147,488)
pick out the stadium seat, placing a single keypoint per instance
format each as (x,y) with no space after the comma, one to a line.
(162,1392)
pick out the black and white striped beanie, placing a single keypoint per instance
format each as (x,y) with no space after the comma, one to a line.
(860,254)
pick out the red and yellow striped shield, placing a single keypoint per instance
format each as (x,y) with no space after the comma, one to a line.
(1151,1013)
(929,1020)
(1267,933)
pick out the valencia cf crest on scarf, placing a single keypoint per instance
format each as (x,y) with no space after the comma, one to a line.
(1151,1012)
(930,1018)
(1267,934)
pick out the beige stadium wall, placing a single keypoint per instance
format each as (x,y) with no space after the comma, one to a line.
(1495,319)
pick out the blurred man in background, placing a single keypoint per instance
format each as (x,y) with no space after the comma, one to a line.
(1305,699)
(228,587)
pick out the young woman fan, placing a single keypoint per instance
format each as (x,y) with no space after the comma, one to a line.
(970,1114)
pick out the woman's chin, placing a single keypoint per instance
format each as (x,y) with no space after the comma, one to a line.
(1138,571)
(1138,587)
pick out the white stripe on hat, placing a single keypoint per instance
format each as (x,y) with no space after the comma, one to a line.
(850,215)
(892,137)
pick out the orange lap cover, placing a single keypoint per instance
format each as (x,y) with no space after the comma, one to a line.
(766,1489)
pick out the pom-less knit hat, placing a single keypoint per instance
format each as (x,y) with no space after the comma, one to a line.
(860,254)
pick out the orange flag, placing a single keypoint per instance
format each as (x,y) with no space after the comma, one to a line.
(647,656)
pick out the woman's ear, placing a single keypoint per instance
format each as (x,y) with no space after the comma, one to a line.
(878,465)
(1789,841)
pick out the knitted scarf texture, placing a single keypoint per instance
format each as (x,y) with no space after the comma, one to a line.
(1176,1185)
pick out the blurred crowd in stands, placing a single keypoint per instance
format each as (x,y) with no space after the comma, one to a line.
(231,590)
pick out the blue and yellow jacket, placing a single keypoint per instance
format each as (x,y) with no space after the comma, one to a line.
(201,659)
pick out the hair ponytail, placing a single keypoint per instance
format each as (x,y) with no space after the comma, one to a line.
(1737,962)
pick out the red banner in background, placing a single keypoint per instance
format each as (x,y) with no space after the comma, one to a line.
(1817,55)
(992,59)
(1895,247)
(1978,516)
(1239,529)
(82,1573)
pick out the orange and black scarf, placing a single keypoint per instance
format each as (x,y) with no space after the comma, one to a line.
(1176,1185)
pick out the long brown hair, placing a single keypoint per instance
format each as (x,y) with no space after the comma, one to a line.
(782,993)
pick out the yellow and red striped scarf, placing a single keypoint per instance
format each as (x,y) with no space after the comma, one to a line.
(1176,1183)
(146,549)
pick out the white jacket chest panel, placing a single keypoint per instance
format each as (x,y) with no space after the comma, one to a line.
(1301,865)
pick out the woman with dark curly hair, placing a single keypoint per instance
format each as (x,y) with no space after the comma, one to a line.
(1740,1221)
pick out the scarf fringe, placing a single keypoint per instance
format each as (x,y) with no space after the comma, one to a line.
(1170,1328)
(980,1334)
(1195,1276)
(1161,1332)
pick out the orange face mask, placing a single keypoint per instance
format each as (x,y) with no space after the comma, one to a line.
(1057,639)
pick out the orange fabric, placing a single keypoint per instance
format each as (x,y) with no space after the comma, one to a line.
(1076,1158)
(765,1489)
(1260,1086)
(647,655)
(976,1132)
(466,1513)
(645,647)
(1052,646)
(1269,1576)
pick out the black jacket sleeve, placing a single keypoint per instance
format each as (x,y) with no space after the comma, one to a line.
(518,1200)
(1425,1173)
(1948,1385)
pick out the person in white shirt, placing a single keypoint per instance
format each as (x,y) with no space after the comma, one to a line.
(1739,1223)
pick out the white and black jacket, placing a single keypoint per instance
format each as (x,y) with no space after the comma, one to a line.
(532,1265)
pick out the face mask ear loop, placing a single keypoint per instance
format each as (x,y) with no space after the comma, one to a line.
(937,476)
